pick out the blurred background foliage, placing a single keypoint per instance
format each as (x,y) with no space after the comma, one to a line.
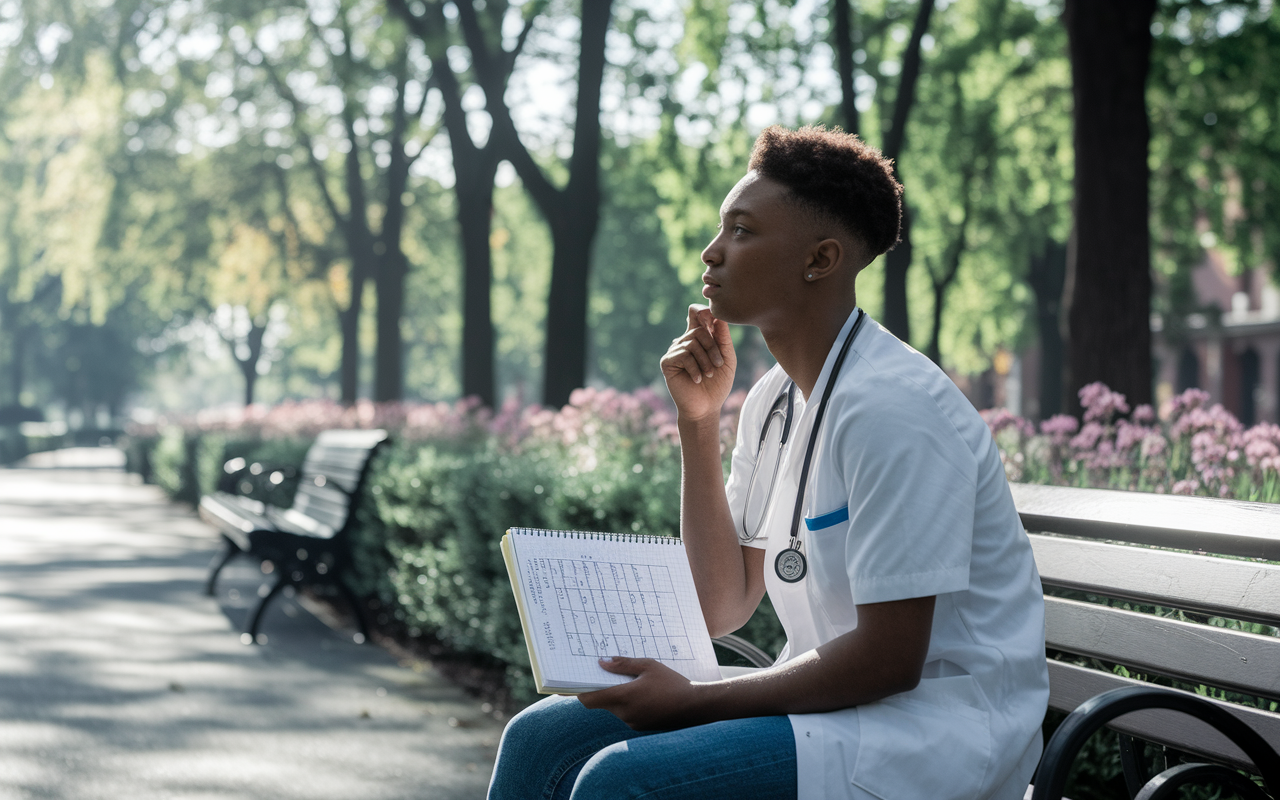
(212,201)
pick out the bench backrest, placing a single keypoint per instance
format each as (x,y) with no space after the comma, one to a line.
(1084,542)
(331,475)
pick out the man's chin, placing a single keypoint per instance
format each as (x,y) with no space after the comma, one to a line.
(721,311)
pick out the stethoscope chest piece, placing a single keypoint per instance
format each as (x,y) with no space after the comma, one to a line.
(791,565)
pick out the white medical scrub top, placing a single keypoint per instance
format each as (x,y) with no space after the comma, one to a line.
(906,498)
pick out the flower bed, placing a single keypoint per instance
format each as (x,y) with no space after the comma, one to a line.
(1192,447)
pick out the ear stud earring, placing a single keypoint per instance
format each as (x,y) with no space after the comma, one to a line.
(810,276)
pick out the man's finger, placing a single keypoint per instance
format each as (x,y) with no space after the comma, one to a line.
(700,317)
(621,665)
(723,336)
(709,345)
(706,357)
(694,322)
(680,360)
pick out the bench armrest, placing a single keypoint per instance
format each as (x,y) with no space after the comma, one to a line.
(747,650)
(1061,751)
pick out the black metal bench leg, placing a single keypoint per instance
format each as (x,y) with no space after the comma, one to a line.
(1135,773)
(229,551)
(350,597)
(256,618)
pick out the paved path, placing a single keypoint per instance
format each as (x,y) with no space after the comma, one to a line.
(120,679)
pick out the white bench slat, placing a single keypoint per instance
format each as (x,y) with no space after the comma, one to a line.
(1229,527)
(1215,586)
(1207,654)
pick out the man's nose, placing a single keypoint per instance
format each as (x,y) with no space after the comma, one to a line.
(711,253)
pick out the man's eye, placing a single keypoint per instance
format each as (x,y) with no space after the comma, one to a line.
(739,229)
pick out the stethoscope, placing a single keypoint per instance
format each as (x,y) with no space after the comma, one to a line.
(790,565)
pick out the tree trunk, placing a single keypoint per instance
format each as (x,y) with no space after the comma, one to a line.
(574,223)
(249,365)
(1108,263)
(950,270)
(250,381)
(393,266)
(566,352)
(349,321)
(388,358)
(474,168)
(1045,276)
(896,263)
(18,363)
(896,317)
(842,32)
(475,211)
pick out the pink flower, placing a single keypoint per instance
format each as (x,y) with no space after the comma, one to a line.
(1059,428)
(1177,406)
(1088,436)
(1144,414)
(1188,486)
(999,419)
(1128,434)
(1154,444)
(1100,403)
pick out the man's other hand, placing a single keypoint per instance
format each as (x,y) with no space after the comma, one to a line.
(658,699)
(699,366)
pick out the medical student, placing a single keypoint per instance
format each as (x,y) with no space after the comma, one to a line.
(866,497)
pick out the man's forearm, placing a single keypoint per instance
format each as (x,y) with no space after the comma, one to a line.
(725,590)
(862,666)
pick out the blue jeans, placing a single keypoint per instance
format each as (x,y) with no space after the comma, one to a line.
(557,749)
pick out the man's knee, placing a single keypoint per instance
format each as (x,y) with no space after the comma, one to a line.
(614,772)
(541,726)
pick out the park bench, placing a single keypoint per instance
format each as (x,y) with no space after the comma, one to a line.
(304,545)
(1187,564)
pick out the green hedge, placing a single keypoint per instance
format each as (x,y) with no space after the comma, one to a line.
(442,492)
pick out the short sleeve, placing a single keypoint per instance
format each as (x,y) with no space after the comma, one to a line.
(912,484)
(743,462)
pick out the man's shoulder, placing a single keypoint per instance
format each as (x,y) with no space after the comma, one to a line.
(890,382)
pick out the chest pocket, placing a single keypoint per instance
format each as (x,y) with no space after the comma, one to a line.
(828,520)
(826,537)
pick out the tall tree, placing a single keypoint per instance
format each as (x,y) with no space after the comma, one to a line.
(842,21)
(898,260)
(474,167)
(573,210)
(1108,283)
(379,141)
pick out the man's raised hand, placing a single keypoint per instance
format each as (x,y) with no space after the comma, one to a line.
(700,364)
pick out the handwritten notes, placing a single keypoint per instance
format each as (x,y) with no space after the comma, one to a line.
(587,596)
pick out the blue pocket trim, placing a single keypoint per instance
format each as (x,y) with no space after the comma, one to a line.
(827,520)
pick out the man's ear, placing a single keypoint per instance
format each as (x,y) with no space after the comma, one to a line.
(825,258)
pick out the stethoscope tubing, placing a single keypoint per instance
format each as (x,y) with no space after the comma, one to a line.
(781,408)
(787,396)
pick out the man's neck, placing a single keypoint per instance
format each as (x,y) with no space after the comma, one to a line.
(801,346)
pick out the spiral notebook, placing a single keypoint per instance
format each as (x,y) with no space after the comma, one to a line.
(583,596)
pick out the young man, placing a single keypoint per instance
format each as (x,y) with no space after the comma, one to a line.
(866,496)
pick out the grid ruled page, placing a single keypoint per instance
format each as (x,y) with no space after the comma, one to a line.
(594,595)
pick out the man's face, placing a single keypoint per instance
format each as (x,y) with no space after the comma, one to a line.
(755,265)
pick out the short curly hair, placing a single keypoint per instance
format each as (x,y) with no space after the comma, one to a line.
(835,175)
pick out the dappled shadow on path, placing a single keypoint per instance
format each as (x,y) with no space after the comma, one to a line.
(118,678)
